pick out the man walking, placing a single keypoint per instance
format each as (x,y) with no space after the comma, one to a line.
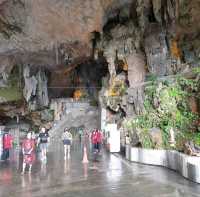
(43,140)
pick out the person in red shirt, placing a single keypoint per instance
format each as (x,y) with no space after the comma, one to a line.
(28,151)
(7,145)
(94,139)
(99,140)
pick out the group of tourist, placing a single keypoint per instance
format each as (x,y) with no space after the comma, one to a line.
(31,143)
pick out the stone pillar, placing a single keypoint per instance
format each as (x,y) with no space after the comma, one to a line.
(136,76)
(42,91)
(30,84)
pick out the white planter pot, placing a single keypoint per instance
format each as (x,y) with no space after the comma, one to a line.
(186,165)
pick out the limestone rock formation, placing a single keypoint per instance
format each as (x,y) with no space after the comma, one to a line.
(30,84)
(66,37)
(5,68)
(157,51)
(35,89)
(136,76)
(42,91)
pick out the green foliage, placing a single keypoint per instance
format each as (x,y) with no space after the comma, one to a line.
(151,78)
(182,137)
(196,70)
(196,138)
(189,84)
(123,89)
(166,106)
(146,139)
(12,92)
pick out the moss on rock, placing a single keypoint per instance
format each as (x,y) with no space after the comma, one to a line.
(10,94)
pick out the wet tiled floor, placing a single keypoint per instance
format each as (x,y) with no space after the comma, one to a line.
(111,176)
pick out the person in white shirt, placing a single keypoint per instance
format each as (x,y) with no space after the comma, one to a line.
(67,141)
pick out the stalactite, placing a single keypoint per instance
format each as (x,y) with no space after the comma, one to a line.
(56,53)
(177,10)
(163,13)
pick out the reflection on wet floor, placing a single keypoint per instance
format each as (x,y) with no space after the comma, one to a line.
(110,176)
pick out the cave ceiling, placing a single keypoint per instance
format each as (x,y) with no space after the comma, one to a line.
(32,30)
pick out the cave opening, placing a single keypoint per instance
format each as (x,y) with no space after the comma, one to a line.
(81,80)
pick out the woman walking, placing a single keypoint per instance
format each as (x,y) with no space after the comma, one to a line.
(67,141)
(28,151)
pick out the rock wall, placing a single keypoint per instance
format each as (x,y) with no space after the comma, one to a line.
(136,37)
(154,41)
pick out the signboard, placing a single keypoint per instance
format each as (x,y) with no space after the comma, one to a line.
(113,138)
